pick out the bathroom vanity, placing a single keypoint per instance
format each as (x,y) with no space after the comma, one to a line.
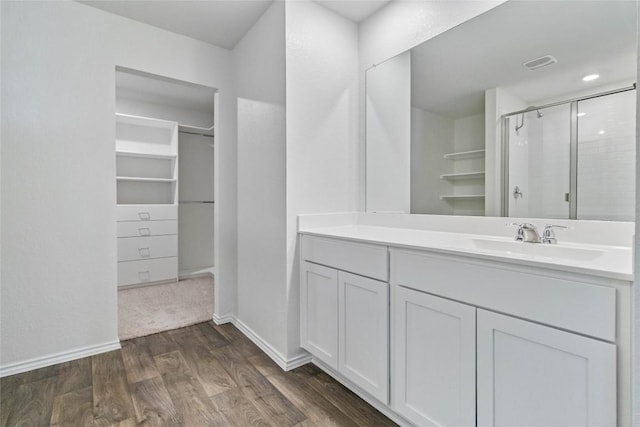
(443,328)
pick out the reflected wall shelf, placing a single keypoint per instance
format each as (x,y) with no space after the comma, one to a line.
(461,155)
(462,197)
(467,180)
(145,155)
(144,179)
(463,175)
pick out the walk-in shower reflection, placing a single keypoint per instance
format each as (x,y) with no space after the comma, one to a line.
(572,160)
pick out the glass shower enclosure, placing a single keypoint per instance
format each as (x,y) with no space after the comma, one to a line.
(572,159)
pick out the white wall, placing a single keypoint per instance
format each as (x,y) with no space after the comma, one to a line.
(469,133)
(399,26)
(388,129)
(58,167)
(259,67)
(322,130)
(431,139)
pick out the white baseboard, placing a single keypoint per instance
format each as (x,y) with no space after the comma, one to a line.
(194,274)
(225,318)
(297,361)
(145,284)
(276,356)
(66,356)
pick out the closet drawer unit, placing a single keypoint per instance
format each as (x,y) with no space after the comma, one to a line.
(146,228)
(148,270)
(359,258)
(136,248)
(147,212)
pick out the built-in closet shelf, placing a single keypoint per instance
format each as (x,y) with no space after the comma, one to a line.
(151,121)
(463,175)
(145,155)
(118,205)
(144,121)
(461,155)
(195,129)
(454,197)
(143,179)
(190,202)
(146,160)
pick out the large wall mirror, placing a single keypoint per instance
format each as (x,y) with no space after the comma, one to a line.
(527,110)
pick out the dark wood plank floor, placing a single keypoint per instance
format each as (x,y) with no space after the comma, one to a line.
(201,375)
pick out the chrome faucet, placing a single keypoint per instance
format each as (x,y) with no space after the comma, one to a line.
(526,232)
(548,236)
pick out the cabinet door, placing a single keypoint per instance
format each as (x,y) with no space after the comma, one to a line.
(533,375)
(363,331)
(433,359)
(319,312)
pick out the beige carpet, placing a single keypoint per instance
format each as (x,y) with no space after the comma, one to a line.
(152,309)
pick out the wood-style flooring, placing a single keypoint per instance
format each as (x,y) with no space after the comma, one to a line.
(201,375)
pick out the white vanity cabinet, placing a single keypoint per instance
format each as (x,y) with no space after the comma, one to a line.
(434,359)
(363,331)
(533,375)
(344,310)
(542,361)
(319,312)
(437,337)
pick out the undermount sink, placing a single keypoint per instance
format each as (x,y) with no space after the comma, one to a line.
(527,250)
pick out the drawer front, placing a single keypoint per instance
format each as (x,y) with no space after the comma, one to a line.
(135,248)
(575,306)
(147,228)
(148,270)
(366,260)
(147,212)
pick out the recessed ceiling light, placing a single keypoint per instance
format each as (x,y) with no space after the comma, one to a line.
(590,77)
(601,132)
(582,114)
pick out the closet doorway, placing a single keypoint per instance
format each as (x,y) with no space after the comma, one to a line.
(166,211)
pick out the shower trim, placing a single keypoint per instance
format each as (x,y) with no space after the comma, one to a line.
(573,141)
(568,101)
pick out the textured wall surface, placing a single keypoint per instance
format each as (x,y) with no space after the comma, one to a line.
(58,168)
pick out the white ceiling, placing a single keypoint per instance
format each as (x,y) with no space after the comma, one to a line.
(355,10)
(219,22)
(451,72)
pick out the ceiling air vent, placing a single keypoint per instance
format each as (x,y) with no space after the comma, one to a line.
(543,61)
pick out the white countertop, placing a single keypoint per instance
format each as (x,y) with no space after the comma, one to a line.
(614,262)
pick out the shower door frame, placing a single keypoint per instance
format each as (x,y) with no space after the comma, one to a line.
(573,147)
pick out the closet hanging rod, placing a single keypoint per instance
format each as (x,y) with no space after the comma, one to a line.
(210,202)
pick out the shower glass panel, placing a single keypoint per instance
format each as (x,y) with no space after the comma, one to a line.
(539,162)
(606,157)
